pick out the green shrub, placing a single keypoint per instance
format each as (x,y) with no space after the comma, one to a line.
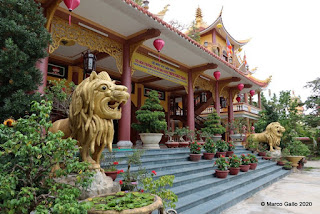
(222,146)
(212,125)
(234,161)
(28,152)
(296,148)
(209,146)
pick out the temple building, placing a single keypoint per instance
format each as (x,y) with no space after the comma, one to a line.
(120,34)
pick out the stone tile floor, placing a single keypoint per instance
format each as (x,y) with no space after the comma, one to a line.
(301,189)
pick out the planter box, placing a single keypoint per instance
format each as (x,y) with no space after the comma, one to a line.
(151,140)
(184,144)
(172,144)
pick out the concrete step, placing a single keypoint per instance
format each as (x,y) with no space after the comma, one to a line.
(230,196)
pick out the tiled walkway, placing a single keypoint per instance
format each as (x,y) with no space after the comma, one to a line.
(300,189)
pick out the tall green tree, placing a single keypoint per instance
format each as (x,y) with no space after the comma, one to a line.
(313,103)
(23,41)
(194,32)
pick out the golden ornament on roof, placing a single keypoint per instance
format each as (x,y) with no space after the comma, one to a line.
(239,50)
(219,25)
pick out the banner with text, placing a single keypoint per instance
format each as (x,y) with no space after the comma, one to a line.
(158,69)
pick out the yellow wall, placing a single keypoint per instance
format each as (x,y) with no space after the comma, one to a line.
(207,38)
(163,103)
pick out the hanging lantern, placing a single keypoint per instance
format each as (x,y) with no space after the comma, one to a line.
(216,75)
(219,25)
(89,63)
(158,44)
(240,86)
(238,99)
(252,92)
(71,5)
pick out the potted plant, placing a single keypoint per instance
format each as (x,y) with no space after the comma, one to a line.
(253,161)
(235,163)
(213,126)
(263,147)
(251,145)
(151,120)
(182,132)
(210,148)
(237,129)
(130,179)
(171,143)
(295,151)
(195,151)
(221,147)
(110,169)
(231,147)
(287,165)
(267,156)
(244,167)
(202,135)
(223,164)
(280,161)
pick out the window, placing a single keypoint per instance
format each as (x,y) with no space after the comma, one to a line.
(225,56)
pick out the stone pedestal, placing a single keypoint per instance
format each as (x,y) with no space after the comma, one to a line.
(101,184)
(276,154)
(124,144)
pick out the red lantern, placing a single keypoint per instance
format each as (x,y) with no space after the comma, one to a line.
(71,5)
(158,44)
(252,92)
(238,99)
(240,86)
(216,75)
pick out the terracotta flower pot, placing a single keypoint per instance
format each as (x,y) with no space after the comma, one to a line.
(229,153)
(234,171)
(253,166)
(220,153)
(244,168)
(280,163)
(172,144)
(112,174)
(267,158)
(208,156)
(262,153)
(221,174)
(195,157)
(184,144)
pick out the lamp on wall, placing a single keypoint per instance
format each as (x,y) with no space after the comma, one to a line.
(89,63)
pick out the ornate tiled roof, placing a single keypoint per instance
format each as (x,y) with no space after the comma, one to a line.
(151,15)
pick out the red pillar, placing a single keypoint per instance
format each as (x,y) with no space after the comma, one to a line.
(217,97)
(230,109)
(125,121)
(42,65)
(259,99)
(190,114)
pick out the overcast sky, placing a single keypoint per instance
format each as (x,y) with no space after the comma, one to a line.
(285,35)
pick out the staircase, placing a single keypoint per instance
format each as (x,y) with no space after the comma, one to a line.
(197,189)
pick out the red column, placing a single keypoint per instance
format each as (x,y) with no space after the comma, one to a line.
(42,65)
(230,109)
(125,121)
(217,97)
(190,114)
(259,99)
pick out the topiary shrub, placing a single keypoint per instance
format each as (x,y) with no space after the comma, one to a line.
(28,152)
(150,116)
(296,148)
(212,125)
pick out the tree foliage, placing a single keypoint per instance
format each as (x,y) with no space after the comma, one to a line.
(23,41)
(151,116)
(194,32)
(313,103)
(28,153)
(212,125)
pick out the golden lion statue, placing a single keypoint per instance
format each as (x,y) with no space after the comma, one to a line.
(95,103)
(272,135)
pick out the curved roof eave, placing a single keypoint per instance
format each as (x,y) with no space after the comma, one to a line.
(179,33)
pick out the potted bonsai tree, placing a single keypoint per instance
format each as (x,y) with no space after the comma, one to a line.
(263,147)
(151,120)
(244,167)
(296,151)
(210,148)
(235,163)
(222,148)
(195,151)
(182,132)
(237,129)
(253,161)
(171,143)
(213,126)
(111,165)
(223,164)
(267,156)
(231,147)
(287,165)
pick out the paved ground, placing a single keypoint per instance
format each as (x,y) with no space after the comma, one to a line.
(301,190)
